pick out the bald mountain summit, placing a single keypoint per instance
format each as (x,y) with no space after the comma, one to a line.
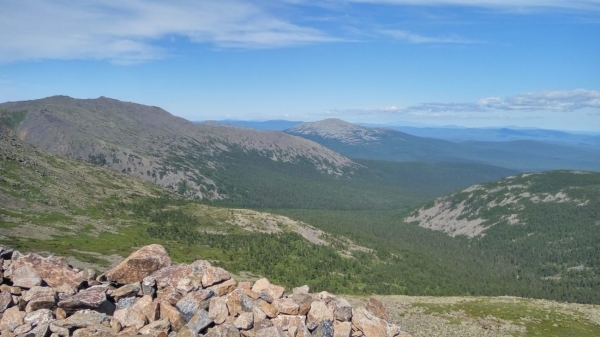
(223,163)
(357,141)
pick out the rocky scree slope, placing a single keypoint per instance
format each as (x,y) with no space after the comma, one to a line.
(146,295)
(154,145)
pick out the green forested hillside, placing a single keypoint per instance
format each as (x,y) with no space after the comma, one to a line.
(546,224)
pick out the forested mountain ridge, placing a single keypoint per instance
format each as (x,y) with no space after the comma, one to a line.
(154,145)
(546,223)
(387,144)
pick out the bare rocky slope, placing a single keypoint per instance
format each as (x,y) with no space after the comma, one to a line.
(154,145)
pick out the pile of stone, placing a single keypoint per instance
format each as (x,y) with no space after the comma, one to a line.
(146,295)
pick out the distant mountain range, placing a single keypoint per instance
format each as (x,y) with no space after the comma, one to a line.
(453,133)
(225,163)
(387,144)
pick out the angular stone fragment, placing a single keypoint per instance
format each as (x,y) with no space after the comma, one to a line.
(324,329)
(115,325)
(225,330)
(11,319)
(213,275)
(178,277)
(5,288)
(22,329)
(199,321)
(217,310)
(6,254)
(55,272)
(319,311)
(172,314)
(5,301)
(393,330)
(94,331)
(269,332)
(39,317)
(126,302)
(60,313)
(238,302)
(301,290)
(91,298)
(244,321)
(342,309)
(263,285)
(368,323)
(25,277)
(304,301)
(224,288)
(40,298)
(128,290)
(342,329)
(286,306)
(194,301)
(377,308)
(41,330)
(169,295)
(80,319)
(88,274)
(156,327)
(129,331)
(149,286)
(259,315)
(139,264)
(131,316)
(285,322)
(268,308)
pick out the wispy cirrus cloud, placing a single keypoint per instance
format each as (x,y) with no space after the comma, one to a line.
(133,31)
(517,5)
(410,37)
(555,101)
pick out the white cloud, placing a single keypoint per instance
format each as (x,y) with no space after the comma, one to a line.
(421,39)
(517,5)
(554,101)
(545,100)
(132,31)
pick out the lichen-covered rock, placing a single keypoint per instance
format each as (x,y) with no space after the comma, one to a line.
(342,329)
(55,272)
(91,298)
(139,264)
(319,311)
(217,310)
(214,275)
(263,285)
(377,308)
(286,306)
(194,301)
(369,324)
(25,277)
(224,288)
(11,319)
(5,301)
(173,315)
(244,321)
(94,331)
(156,327)
(127,290)
(39,298)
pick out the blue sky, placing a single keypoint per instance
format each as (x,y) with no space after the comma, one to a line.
(530,63)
